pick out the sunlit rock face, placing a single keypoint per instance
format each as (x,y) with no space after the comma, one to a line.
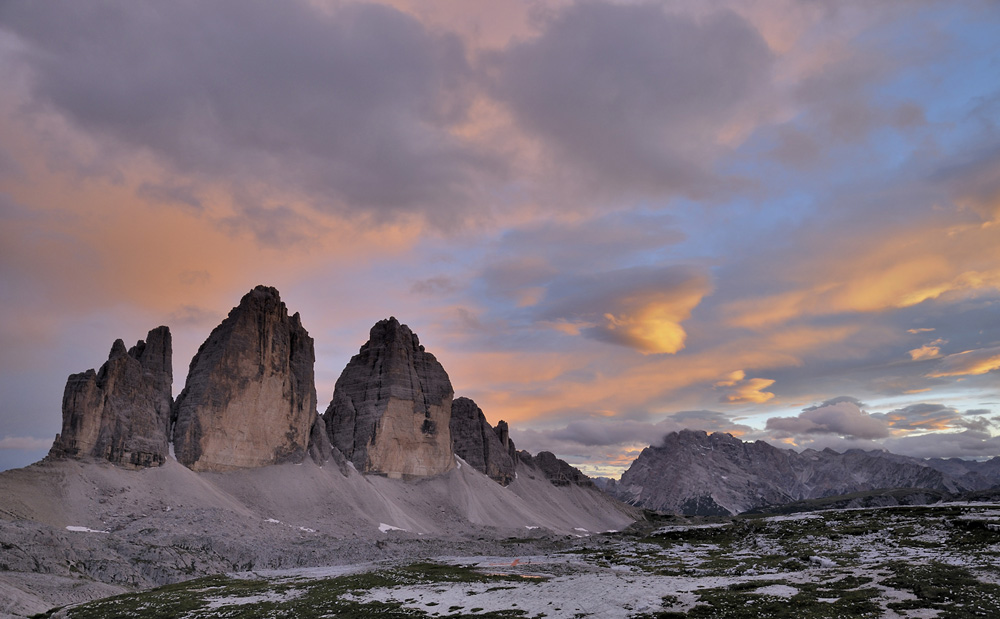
(250,395)
(489,450)
(391,407)
(121,413)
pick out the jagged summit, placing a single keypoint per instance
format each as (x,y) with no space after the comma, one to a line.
(250,395)
(487,449)
(693,472)
(391,406)
(120,413)
(249,401)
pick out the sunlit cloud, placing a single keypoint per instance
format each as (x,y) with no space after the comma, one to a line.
(639,308)
(741,389)
(928,351)
(969,363)
(921,417)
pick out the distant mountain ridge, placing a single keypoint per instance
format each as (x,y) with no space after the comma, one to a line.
(695,473)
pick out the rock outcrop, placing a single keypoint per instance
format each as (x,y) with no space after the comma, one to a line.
(121,413)
(557,471)
(250,395)
(696,473)
(391,407)
(489,450)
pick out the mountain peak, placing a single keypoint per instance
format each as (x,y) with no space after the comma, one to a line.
(391,406)
(250,396)
(121,413)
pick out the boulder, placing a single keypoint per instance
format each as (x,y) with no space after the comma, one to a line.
(121,413)
(391,407)
(250,395)
(489,450)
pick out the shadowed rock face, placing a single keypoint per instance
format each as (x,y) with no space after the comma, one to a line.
(488,450)
(121,413)
(250,395)
(557,471)
(391,407)
(705,474)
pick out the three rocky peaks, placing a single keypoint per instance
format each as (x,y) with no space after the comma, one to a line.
(250,401)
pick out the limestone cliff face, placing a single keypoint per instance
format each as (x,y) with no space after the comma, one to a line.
(391,407)
(121,413)
(250,395)
(489,450)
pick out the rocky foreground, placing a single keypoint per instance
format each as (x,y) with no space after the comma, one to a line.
(936,561)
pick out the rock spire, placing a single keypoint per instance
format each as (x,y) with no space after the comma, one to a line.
(121,413)
(391,407)
(489,450)
(250,395)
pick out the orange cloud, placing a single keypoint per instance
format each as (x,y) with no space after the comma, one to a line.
(741,389)
(654,328)
(969,363)
(868,275)
(927,351)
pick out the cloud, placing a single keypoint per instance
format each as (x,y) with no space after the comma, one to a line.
(25,443)
(175,194)
(742,389)
(641,308)
(972,443)
(352,108)
(634,96)
(843,418)
(271,226)
(921,417)
(599,434)
(927,351)
(434,286)
(969,363)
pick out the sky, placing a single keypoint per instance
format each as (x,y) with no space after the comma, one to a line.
(608,220)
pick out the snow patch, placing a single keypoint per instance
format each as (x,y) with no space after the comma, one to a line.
(76,529)
(528,526)
(273,521)
(385,528)
(223,602)
(688,527)
(793,517)
(307,529)
(781,591)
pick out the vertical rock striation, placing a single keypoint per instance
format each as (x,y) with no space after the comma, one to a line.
(391,407)
(488,450)
(250,395)
(121,413)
